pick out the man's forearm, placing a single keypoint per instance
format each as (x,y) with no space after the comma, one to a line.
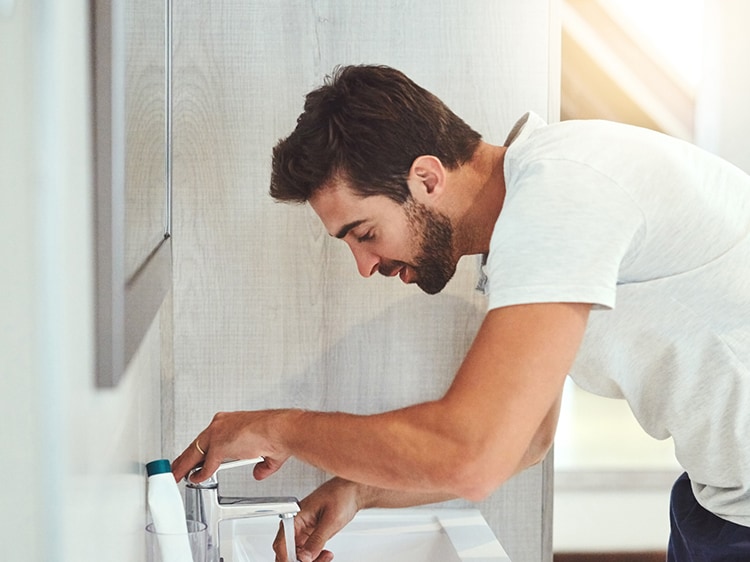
(407,450)
(371,496)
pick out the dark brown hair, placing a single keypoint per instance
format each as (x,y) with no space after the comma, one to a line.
(366,125)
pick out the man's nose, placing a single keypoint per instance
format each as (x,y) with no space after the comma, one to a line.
(367,262)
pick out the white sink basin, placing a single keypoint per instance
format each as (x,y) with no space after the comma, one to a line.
(395,535)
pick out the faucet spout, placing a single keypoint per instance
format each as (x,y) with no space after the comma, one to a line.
(241,508)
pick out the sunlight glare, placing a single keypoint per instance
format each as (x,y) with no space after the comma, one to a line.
(673,29)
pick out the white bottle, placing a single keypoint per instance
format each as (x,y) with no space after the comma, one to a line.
(167,512)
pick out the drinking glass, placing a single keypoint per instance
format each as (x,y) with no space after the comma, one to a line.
(160,547)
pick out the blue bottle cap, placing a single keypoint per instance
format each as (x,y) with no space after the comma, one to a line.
(158,467)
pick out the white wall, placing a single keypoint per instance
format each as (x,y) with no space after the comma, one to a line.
(20,449)
(72,455)
(723,112)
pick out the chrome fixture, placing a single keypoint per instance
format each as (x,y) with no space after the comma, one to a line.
(204,503)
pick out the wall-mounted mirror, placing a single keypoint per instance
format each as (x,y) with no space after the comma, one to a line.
(131,56)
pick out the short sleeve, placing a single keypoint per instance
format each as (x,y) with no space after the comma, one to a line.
(563,234)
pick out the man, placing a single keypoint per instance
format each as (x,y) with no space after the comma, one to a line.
(615,254)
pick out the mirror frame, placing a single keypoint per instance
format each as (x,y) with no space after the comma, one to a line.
(125,308)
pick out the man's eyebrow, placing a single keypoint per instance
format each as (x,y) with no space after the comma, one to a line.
(347,227)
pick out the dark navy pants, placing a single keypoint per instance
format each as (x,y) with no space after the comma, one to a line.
(700,536)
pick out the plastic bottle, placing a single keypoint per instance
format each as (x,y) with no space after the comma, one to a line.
(168,512)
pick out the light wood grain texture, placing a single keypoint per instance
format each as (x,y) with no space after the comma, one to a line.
(269,310)
(145,122)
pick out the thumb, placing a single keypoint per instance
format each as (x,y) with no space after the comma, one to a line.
(312,549)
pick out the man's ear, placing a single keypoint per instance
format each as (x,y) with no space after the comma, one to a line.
(426,177)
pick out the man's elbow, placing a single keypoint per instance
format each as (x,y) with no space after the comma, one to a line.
(480,477)
(535,459)
(479,483)
(537,452)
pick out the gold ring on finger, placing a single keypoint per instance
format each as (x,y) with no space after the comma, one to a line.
(201,451)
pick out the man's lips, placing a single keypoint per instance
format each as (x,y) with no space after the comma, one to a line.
(401,270)
(404,275)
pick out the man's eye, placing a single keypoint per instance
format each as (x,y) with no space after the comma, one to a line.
(365,237)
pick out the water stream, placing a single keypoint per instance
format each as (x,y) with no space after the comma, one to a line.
(291,549)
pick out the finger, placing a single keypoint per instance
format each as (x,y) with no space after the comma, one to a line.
(267,468)
(302,530)
(304,556)
(328,523)
(189,458)
(279,542)
(312,549)
(210,465)
(279,545)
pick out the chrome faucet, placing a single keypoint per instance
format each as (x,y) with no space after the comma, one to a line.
(204,503)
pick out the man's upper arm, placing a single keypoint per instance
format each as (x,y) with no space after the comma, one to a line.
(512,378)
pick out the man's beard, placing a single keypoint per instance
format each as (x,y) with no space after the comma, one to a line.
(434,264)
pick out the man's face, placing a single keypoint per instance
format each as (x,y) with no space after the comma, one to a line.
(409,240)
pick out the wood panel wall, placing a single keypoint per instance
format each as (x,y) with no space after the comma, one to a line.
(269,311)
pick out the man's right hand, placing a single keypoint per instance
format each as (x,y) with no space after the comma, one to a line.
(332,506)
(322,514)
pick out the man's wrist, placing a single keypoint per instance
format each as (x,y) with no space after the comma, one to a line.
(283,430)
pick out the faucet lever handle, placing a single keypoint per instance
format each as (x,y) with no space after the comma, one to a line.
(238,463)
(212,481)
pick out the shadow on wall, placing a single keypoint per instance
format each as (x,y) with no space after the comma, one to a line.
(426,336)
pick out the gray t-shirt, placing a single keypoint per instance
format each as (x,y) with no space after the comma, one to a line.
(655,233)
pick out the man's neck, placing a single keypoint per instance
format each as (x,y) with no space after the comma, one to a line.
(479,196)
